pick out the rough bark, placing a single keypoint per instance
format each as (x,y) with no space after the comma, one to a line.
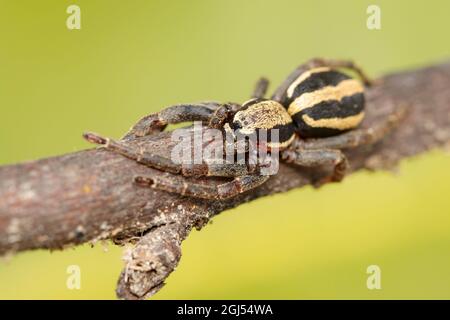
(89,195)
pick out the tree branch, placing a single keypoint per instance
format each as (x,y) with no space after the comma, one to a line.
(89,195)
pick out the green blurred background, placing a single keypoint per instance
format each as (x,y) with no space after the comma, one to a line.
(133,57)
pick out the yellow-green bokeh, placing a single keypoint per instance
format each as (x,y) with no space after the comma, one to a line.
(132,58)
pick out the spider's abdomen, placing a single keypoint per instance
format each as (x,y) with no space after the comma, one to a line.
(261,114)
(324,102)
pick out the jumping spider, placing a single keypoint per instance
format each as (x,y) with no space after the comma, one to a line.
(316,110)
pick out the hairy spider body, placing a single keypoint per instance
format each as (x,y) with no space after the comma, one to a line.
(315,112)
(260,114)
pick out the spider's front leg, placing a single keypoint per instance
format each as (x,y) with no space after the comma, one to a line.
(156,122)
(143,156)
(213,113)
(134,152)
(222,191)
(246,177)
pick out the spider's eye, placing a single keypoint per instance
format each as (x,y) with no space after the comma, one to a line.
(236,125)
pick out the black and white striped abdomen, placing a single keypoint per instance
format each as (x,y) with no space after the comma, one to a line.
(324,102)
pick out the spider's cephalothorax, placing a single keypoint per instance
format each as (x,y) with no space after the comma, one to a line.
(316,112)
(262,114)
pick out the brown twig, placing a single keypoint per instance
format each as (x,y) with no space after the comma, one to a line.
(89,195)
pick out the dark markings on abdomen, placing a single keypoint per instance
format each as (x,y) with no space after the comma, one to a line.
(330,117)
(316,81)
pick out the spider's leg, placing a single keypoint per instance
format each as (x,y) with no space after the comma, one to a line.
(156,122)
(319,157)
(134,152)
(140,155)
(226,190)
(346,64)
(280,93)
(218,170)
(354,138)
(260,89)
